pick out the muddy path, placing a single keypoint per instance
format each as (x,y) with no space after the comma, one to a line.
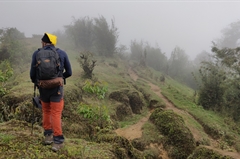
(135,130)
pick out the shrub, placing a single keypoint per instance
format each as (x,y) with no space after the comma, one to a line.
(98,114)
(87,63)
(96,88)
(6,72)
(179,140)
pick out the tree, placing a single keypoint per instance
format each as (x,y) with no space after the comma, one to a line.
(177,63)
(220,87)
(13,48)
(156,59)
(211,89)
(81,32)
(229,58)
(230,37)
(106,37)
(195,66)
(10,44)
(201,57)
(94,35)
(136,50)
(87,63)
(143,58)
(122,51)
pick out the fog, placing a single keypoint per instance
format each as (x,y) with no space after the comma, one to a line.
(191,25)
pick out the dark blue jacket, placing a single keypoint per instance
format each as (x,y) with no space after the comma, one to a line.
(54,94)
(65,63)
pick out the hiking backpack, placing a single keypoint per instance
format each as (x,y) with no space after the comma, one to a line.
(48,64)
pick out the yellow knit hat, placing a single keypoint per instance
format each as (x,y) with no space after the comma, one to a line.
(49,38)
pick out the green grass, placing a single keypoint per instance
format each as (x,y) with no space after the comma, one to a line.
(182,99)
(151,134)
(17,142)
(207,122)
(6,138)
(114,72)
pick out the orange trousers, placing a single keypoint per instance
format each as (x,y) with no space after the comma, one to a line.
(52,114)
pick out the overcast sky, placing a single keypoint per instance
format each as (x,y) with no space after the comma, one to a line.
(191,25)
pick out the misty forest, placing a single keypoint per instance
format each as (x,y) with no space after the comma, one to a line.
(182,108)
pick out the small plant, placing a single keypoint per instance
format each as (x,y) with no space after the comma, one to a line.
(95,88)
(97,114)
(87,111)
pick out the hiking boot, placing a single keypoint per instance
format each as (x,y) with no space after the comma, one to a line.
(48,139)
(56,147)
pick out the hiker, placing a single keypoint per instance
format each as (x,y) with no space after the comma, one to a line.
(51,92)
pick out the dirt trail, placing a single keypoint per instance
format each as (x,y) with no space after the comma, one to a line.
(135,131)
(196,134)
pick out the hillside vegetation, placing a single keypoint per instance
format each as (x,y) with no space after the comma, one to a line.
(89,121)
(120,105)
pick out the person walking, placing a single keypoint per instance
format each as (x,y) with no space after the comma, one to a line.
(49,80)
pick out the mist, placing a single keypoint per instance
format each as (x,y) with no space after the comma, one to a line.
(190,25)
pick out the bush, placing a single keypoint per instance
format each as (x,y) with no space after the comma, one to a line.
(87,64)
(96,88)
(179,140)
(6,72)
(96,114)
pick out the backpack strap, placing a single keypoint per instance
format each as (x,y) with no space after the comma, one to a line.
(60,67)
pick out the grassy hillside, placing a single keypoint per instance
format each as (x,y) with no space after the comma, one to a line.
(87,137)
